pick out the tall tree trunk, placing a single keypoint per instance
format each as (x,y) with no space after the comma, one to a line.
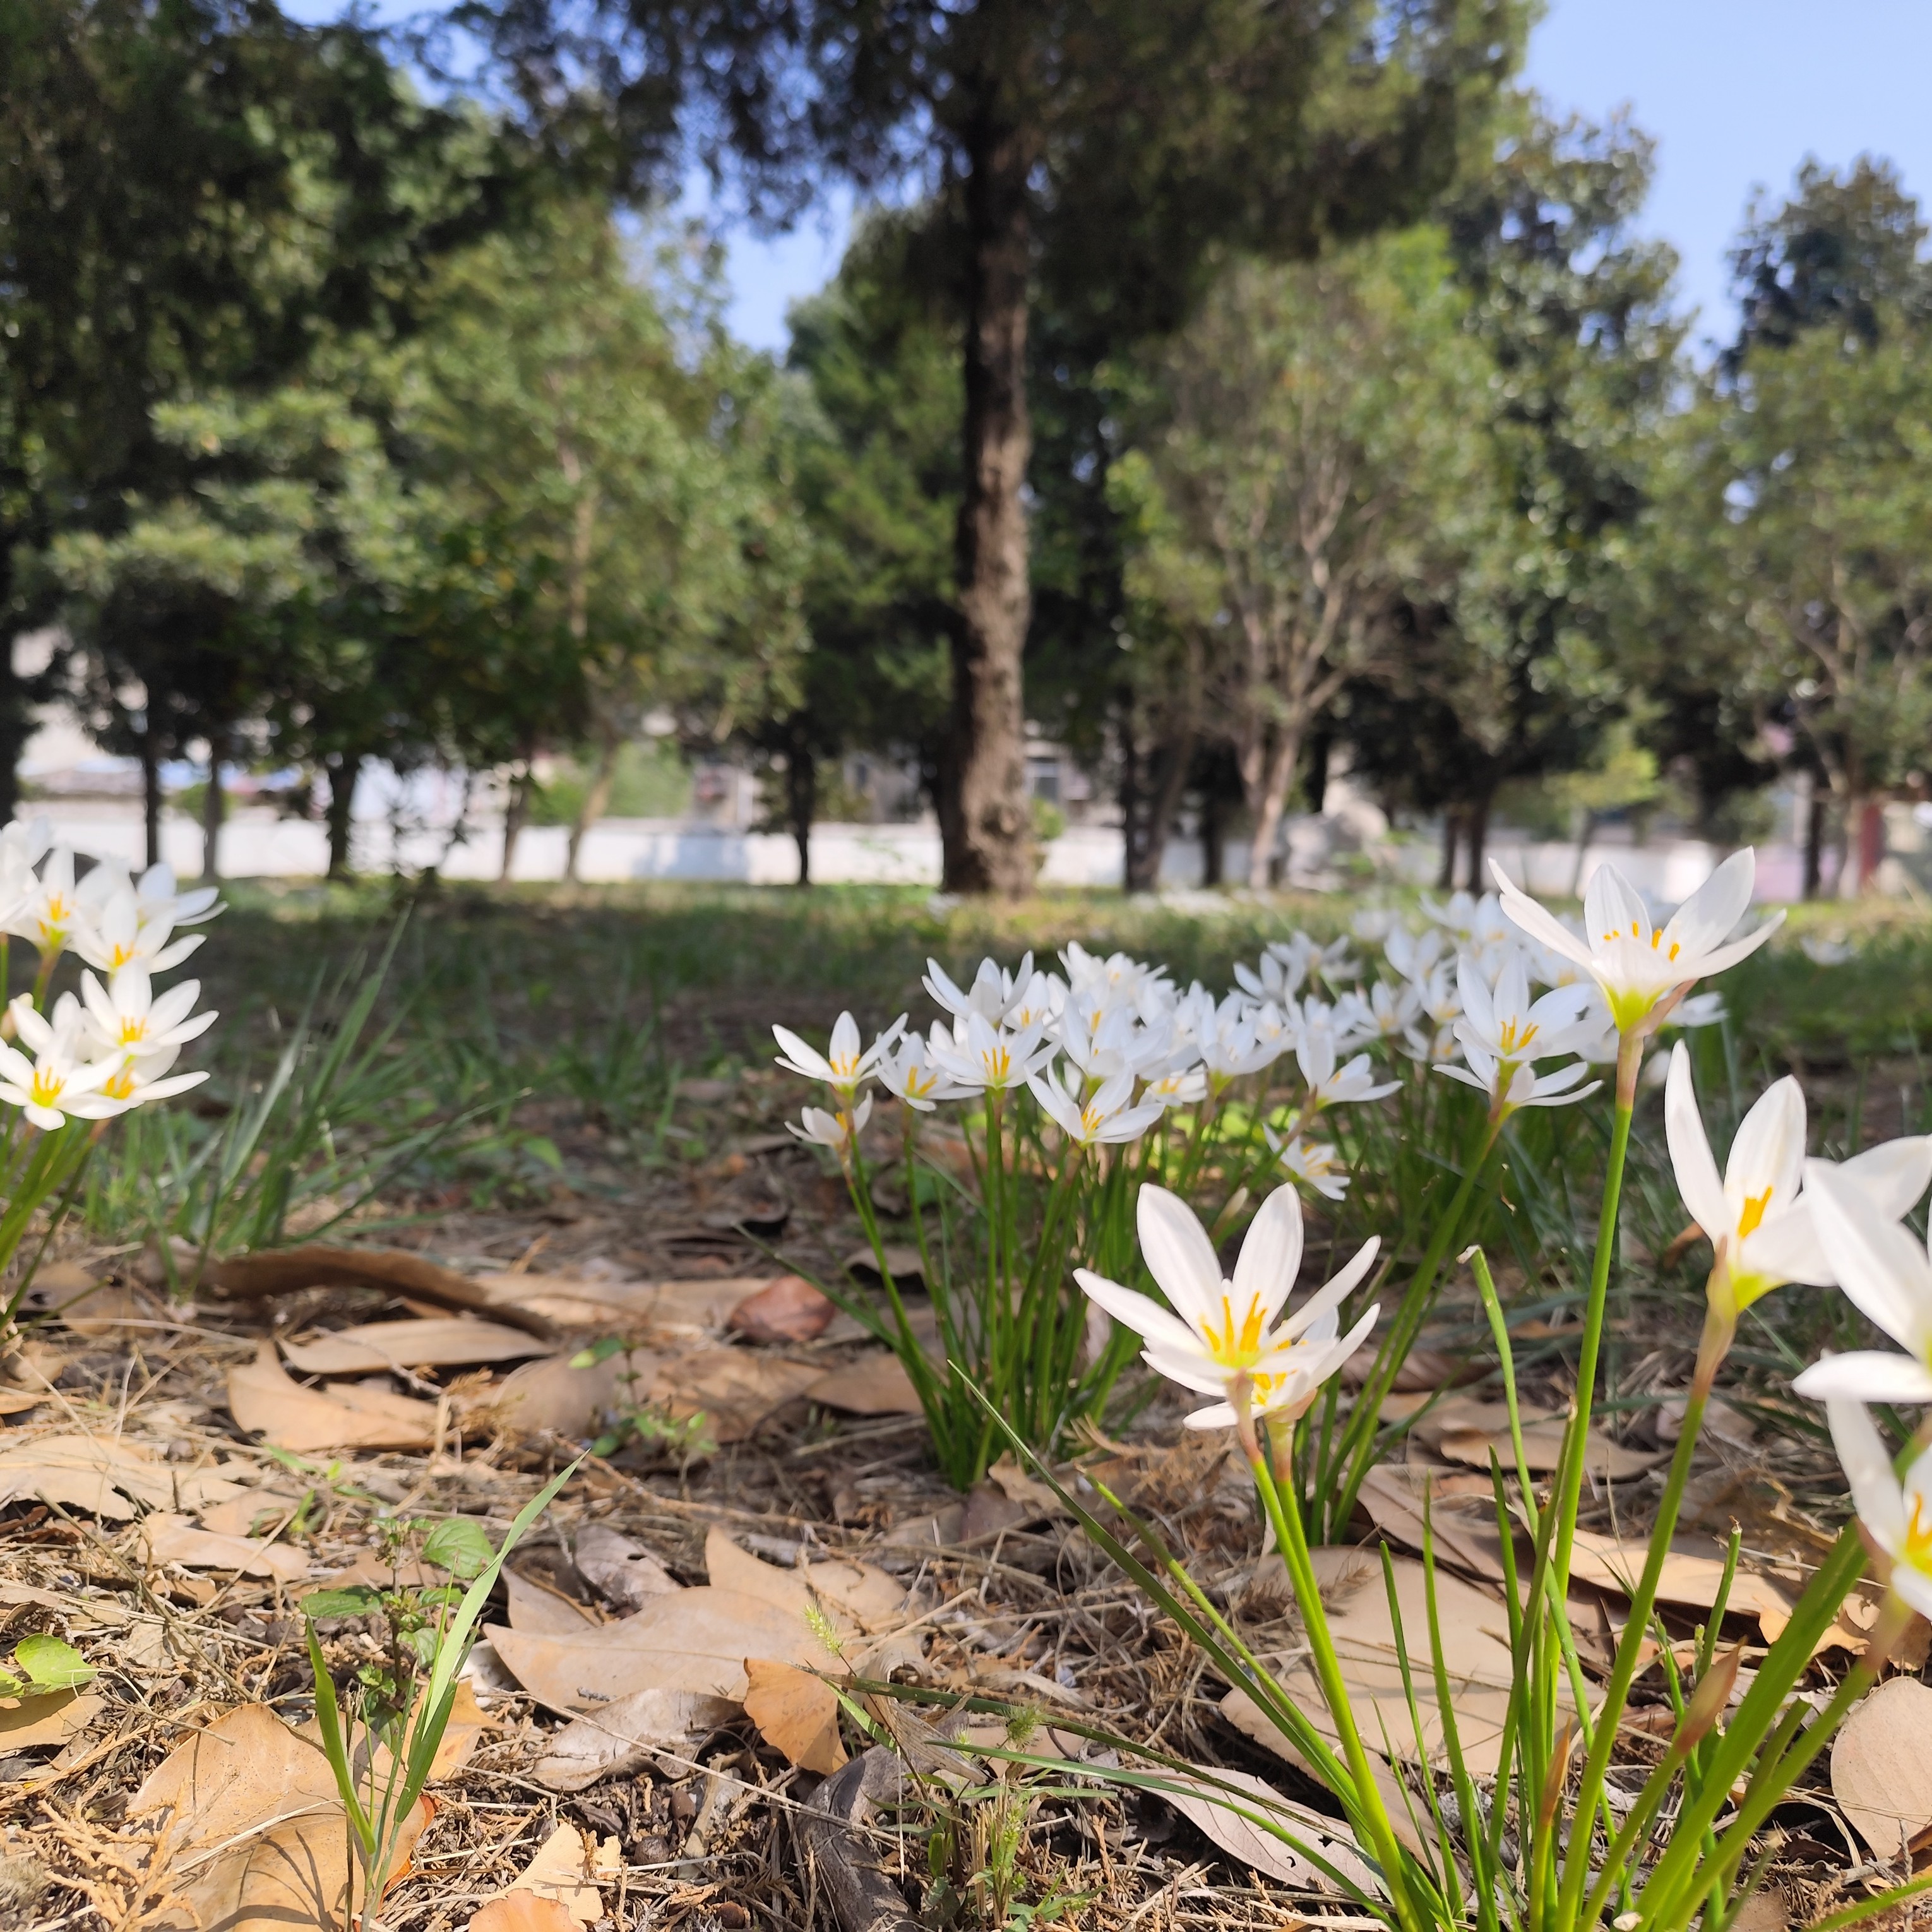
(801,802)
(516,815)
(344,768)
(1871,843)
(1476,831)
(1214,838)
(151,794)
(984,828)
(596,800)
(214,809)
(1815,815)
(1268,806)
(1168,779)
(1586,830)
(1452,826)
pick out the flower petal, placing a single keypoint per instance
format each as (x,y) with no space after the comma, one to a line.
(1179,1255)
(1868,1469)
(1767,1154)
(1696,1171)
(1140,1312)
(1866,1374)
(1270,1256)
(1709,915)
(1894,1173)
(1880,1265)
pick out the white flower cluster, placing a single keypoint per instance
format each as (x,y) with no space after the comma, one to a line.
(112,1047)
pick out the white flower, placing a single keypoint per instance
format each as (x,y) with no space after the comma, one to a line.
(1313,1163)
(1503,1033)
(1700,1010)
(1637,963)
(1438,1049)
(1761,1217)
(836,1131)
(1183,1082)
(992,993)
(1221,1339)
(1278,977)
(1513,1085)
(982,1057)
(1899,1515)
(912,1072)
(1232,1038)
(1331,1086)
(125,1017)
(51,908)
(143,1077)
(1390,1011)
(1885,1271)
(1413,954)
(1442,1001)
(119,936)
(1106,1116)
(55,1082)
(842,1067)
(157,897)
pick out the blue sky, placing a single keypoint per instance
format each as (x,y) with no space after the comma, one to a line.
(1736,92)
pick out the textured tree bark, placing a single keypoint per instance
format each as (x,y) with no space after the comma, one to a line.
(1268,803)
(1168,780)
(1814,839)
(1476,828)
(801,804)
(343,771)
(596,798)
(516,812)
(1452,826)
(985,830)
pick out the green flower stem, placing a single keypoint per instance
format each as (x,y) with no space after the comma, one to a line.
(1286,1520)
(1630,1053)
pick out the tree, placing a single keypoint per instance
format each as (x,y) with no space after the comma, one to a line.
(1109,146)
(573,394)
(191,193)
(1311,458)
(878,486)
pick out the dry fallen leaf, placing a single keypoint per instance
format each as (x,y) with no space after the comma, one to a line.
(859,1597)
(874,1383)
(257,1826)
(1393,1494)
(1882,1767)
(53,1718)
(788,1309)
(621,1571)
(796,1712)
(1688,1578)
(734,1390)
(553,1394)
(1027,1491)
(442,1342)
(461,1734)
(1464,1430)
(618,1737)
(319,1265)
(262,1396)
(694,1640)
(534,1608)
(101,1475)
(568,1868)
(520,1911)
(1208,1803)
(676,1310)
(174,1539)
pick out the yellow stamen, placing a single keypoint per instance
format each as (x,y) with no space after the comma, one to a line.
(47,1087)
(1752,1219)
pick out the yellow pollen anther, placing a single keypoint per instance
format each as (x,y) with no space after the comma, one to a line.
(1752,1219)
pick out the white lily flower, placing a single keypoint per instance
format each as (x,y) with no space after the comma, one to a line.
(1277,977)
(1438,1047)
(1231,1037)
(1331,1086)
(1413,956)
(992,994)
(1514,1084)
(1700,1010)
(984,1058)
(1885,1272)
(56,1082)
(120,937)
(836,1131)
(1441,999)
(1313,1163)
(843,1066)
(1182,1083)
(1823,951)
(1507,1024)
(1761,1218)
(1898,1515)
(1373,924)
(912,1072)
(1106,1116)
(1222,1337)
(156,896)
(1639,964)
(143,1077)
(51,908)
(1390,1011)
(125,1017)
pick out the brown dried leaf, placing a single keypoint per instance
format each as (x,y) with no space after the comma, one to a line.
(788,1309)
(54,1718)
(674,1310)
(695,1640)
(796,1713)
(520,1911)
(1208,1804)
(174,1539)
(261,1803)
(1393,1494)
(874,1383)
(444,1341)
(319,1265)
(533,1608)
(263,1397)
(99,1475)
(622,1572)
(568,1868)
(1688,1578)
(1882,1767)
(618,1737)
(856,1596)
